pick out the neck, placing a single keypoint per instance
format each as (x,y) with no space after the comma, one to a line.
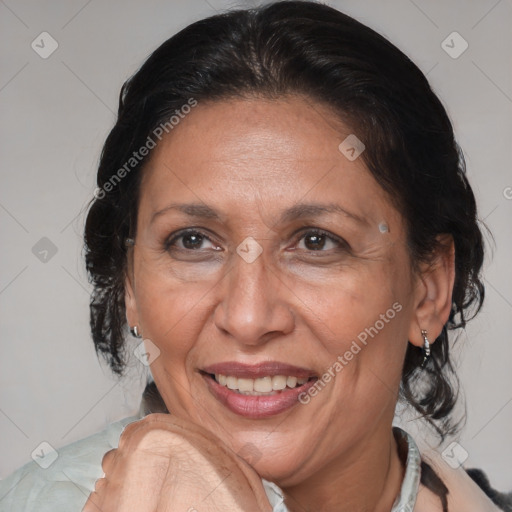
(366,479)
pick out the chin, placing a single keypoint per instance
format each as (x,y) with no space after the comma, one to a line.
(282,470)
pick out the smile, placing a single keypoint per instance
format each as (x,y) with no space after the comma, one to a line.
(262,386)
(257,391)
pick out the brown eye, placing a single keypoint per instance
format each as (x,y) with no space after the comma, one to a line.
(315,242)
(319,241)
(190,241)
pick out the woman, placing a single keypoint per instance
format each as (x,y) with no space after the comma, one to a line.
(283,217)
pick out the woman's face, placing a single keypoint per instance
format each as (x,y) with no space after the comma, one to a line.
(267,255)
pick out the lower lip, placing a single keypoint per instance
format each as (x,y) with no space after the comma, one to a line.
(256,407)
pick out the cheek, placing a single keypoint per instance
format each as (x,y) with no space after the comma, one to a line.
(353,300)
(361,315)
(172,316)
(171,313)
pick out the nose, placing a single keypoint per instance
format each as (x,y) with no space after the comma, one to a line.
(253,308)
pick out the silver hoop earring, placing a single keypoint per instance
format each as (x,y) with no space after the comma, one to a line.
(135,332)
(426,348)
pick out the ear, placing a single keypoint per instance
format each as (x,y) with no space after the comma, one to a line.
(130,303)
(433,294)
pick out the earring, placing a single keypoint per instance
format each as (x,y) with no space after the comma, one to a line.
(426,348)
(135,332)
(129,242)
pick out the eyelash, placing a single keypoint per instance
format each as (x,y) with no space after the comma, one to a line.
(342,244)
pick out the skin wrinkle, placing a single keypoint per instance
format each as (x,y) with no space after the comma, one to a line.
(202,313)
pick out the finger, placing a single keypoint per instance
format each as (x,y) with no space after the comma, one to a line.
(133,484)
(100,485)
(108,460)
(94,503)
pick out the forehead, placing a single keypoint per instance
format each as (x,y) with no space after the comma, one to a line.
(256,129)
(274,152)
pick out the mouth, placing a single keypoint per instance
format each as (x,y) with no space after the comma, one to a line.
(261,386)
(257,391)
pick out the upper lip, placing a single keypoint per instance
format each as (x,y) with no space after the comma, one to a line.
(253,371)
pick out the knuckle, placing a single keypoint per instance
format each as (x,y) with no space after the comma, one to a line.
(108,460)
(100,484)
(156,417)
(152,431)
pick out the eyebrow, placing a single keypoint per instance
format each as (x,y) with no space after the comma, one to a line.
(296,212)
(198,210)
(305,210)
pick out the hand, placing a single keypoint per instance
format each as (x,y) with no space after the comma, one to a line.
(165,464)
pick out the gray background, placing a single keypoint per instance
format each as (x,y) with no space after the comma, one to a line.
(55,114)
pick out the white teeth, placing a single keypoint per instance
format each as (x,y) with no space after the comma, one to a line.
(291,382)
(262,385)
(278,382)
(245,385)
(232,382)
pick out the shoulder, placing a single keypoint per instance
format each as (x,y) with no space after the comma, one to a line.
(62,480)
(464,495)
